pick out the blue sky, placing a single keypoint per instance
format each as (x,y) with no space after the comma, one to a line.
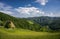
(30,8)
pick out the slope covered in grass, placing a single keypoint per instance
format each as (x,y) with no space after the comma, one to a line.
(26,34)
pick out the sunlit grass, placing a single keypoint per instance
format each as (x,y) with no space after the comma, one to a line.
(26,34)
(30,22)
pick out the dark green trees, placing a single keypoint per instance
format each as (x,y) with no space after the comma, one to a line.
(7,24)
(1,23)
(55,25)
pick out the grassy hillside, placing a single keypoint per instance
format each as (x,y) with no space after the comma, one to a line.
(26,34)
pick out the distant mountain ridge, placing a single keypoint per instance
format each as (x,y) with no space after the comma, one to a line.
(52,22)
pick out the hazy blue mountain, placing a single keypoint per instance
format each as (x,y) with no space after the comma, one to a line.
(52,22)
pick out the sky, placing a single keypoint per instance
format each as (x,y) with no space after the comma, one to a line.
(30,8)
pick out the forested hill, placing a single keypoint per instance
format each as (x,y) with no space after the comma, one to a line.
(19,22)
(52,22)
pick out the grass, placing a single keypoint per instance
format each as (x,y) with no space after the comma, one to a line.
(26,34)
(30,22)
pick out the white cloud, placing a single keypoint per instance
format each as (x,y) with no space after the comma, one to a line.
(29,11)
(50,14)
(5,8)
(25,11)
(33,12)
(7,12)
(29,5)
(42,2)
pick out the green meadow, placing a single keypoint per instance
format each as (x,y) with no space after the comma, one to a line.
(27,34)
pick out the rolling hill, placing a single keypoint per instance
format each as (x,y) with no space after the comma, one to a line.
(34,23)
(19,22)
(52,22)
